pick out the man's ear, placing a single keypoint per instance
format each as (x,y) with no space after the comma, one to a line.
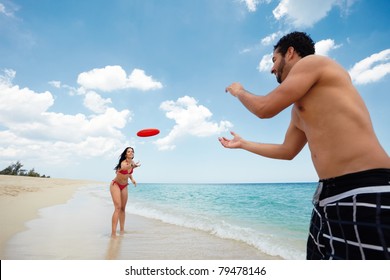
(290,53)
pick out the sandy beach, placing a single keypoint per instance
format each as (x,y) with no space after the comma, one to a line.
(21,197)
(46,218)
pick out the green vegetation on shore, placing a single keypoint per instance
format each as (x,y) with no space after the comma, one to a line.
(16,170)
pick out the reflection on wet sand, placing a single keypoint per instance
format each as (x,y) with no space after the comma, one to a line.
(113,248)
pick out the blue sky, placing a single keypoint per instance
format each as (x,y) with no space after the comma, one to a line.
(78,79)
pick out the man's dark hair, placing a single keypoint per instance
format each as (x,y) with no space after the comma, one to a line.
(300,41)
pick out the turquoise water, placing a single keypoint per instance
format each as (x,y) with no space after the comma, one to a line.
(272,217)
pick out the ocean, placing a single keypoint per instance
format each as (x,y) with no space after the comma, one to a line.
(272,217)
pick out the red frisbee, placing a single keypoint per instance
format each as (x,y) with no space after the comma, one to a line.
(147,132)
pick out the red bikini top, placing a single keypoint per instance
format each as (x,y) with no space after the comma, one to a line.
(125,172)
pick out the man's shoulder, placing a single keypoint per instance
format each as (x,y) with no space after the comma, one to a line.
(315,58)
(318,64)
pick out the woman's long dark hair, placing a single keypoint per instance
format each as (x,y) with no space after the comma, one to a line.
(122,157)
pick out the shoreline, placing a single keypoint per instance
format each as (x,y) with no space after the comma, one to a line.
(61,219)
(22,197)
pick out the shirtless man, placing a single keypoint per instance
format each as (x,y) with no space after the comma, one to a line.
(351,215)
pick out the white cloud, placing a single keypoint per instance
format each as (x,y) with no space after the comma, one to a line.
(266,63)
(21,104)
(139,80)
(270,39)
(323,47)
(13,147)
(5,11)
(112,78)
(95,102)
(265,42)
(30,130)
(246,50)
(56,84)
(191,119)
(303,13)
(108,78)
(251,4)
(372,68)
(6,79)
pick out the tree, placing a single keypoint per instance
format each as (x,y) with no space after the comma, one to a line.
(16,169)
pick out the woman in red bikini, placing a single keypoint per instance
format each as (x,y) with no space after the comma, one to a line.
(124,170)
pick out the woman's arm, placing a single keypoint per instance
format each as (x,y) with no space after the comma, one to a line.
(132,180)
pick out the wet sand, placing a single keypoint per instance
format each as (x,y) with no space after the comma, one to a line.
(21,198)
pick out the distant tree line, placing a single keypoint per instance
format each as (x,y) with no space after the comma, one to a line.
(16,169)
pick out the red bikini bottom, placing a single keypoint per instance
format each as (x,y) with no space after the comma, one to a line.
(119,185)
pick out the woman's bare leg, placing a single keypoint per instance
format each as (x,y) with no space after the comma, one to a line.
(116,199)
(122,214)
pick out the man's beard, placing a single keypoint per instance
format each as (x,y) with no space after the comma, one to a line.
(280,71)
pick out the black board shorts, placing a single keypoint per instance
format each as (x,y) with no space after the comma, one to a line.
(351,217)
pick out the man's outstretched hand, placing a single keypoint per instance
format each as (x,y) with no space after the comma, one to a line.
(231,143)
